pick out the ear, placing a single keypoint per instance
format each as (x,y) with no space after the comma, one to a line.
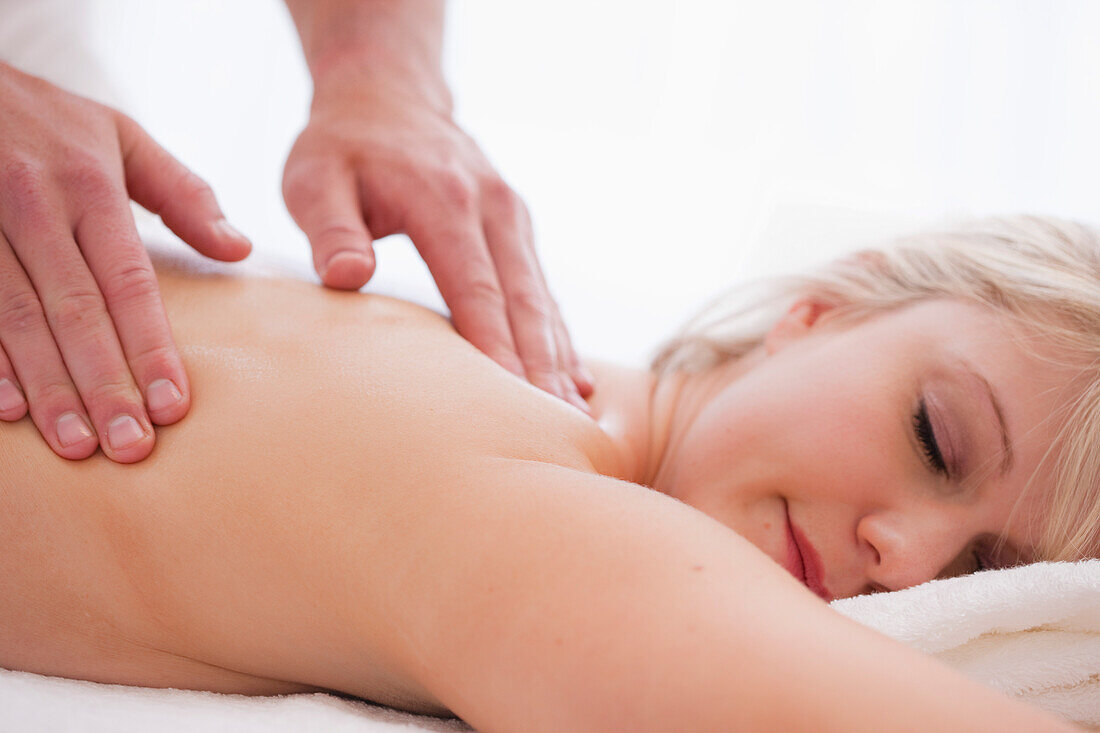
(795,324)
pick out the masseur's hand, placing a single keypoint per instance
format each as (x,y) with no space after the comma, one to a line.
(85,340)
(378,158)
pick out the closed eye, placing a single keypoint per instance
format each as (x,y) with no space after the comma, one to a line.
(926,436)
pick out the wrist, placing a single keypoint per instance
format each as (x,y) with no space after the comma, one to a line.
(373,71)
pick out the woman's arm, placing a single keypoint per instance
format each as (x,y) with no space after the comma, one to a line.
(545,599)
(523,596)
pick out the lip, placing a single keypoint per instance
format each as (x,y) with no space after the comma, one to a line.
(803,562)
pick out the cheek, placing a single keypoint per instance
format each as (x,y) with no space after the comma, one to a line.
(756,443)
(733,451)
(843,449)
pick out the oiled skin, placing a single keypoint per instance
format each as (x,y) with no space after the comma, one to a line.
(304,399)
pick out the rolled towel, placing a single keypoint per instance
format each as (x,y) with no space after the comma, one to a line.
(1032,632)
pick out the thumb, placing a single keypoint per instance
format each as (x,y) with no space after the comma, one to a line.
(323,200)
(184,202)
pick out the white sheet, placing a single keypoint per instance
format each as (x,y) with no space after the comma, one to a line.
(31,702)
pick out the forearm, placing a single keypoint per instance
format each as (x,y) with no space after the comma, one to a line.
(391,42)
(616,611)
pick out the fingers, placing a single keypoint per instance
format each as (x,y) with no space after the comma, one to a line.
(581,376)
(539,333)
(324,201)
(55,407)
(80,339)
(185,203)
(80,311)
(13,405)
(454,249)
(124,275)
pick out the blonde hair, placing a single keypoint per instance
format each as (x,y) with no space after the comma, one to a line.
(1044,272)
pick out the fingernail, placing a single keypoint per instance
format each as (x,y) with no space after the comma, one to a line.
(587,376)
(226,229)
(162,393)
(355,265)
(10,396)
(123,432)
(72,429)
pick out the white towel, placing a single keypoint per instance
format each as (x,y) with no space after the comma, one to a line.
(1032,632)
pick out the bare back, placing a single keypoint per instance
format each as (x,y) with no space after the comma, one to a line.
(306,402)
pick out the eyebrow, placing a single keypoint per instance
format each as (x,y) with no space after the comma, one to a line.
(1014,550)
(1006,462)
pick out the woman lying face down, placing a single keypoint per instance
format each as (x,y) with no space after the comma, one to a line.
(890,427)
(361,502)
(873,455)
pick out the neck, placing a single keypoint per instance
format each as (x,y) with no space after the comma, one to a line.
(647,417)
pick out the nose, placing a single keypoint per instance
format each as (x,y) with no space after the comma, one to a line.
(899,551)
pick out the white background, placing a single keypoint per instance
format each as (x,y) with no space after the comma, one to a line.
(666,149)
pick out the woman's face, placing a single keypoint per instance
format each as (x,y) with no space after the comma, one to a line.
(897,445)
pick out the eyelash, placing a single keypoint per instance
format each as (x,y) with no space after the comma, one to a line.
(926,436)
(981,564)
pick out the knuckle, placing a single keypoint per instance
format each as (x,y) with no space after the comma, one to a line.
(499,194)
(485,291)
(531,303)
(295,186)
(111,390)
(21,313)
(542,375)
(132,281)
(160,358)
(51,394)
(301,178)
(456,189)
(87,176)
(125,124)
(76,310)
(337,231)
(23,182)
(191,186)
